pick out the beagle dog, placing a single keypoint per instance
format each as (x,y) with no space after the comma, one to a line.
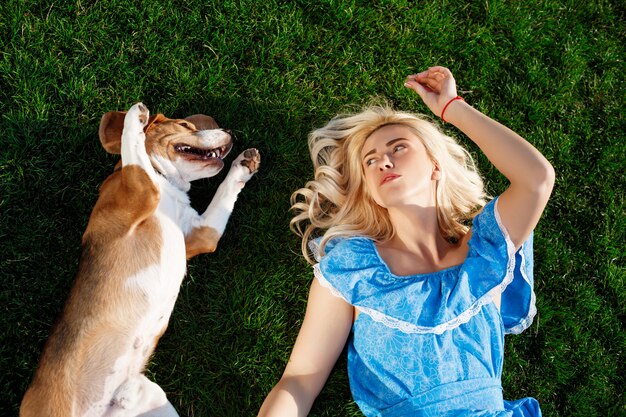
(133,260)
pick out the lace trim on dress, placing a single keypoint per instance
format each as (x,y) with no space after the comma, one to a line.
(532,312)
(525,324)
(403,326)
(527,321)
(315,250)
(324,282)
(410,328)
(510,250)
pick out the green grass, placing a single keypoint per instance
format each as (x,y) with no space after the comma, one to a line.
(271,71)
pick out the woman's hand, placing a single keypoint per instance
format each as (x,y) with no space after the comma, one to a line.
(436,86)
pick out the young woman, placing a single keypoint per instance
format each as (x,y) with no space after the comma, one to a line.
(426,298)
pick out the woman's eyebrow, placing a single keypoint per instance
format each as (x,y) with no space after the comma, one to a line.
(391,142)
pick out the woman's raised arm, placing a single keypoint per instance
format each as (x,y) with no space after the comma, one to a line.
(530,174)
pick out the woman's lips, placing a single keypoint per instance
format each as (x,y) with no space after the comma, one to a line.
(389,177)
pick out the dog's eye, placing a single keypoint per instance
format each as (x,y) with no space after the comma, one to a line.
(184,124)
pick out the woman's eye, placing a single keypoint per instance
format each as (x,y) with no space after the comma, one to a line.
(398,148)
(370,162)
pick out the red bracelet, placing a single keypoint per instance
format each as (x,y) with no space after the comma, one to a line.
(447,104)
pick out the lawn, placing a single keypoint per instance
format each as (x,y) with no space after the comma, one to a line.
(271,71)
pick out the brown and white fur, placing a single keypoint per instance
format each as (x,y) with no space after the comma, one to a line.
(140,233)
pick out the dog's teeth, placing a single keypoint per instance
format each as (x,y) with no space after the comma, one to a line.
(204,153)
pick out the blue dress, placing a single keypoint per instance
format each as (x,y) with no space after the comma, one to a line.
(433,344)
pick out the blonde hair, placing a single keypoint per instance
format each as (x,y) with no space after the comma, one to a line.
(337,201)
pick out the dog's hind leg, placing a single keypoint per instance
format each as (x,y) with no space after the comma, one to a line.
(155,401)
(140,397)
(208,229)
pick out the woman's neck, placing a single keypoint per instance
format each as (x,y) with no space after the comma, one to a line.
(417,231)
(418,245)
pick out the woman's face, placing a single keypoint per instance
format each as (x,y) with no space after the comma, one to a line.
(398,170)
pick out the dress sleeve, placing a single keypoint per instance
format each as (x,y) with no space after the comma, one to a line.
(489,236)
(345,268)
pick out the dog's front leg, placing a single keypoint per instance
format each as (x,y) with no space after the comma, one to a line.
(131,195)
(205,235)
(134,140)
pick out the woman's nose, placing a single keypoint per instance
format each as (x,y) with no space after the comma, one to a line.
(385,162)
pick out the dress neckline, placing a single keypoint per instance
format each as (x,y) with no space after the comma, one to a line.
(388,271)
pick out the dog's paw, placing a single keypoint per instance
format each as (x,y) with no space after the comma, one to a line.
(136,118)
(244,166)
(251,160)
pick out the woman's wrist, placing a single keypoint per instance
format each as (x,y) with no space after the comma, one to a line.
(452,112)
(445,107)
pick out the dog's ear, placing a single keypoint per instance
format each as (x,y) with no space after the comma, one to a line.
(154,119)
(110,132)
(202,121)
(111,127)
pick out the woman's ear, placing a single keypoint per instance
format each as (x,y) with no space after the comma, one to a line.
(436,175)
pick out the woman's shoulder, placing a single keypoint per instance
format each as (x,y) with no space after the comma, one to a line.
(349,267)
